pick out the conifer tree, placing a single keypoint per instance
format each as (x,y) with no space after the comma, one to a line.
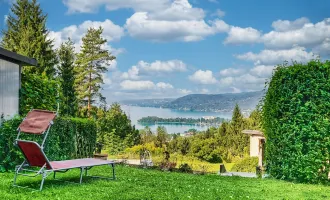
(91,64)
(27,34)
(66,57)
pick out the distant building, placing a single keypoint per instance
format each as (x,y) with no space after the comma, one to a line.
(257,141)
(10,80)
(209,117)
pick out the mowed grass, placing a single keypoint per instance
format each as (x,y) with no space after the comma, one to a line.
(134,183)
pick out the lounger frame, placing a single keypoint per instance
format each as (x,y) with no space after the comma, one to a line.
(45,172)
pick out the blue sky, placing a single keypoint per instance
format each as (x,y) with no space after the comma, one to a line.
(170,48)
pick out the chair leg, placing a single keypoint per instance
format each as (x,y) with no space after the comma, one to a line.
(81,174)
(113,171)
(44,175)
(54,175)
(15,177)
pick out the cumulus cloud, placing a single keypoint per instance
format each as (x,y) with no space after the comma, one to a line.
(274,57)
(306,34)
(155,68)
(87,6)
(238,35)
(144,85)
(219,13)
(262,70)
(111,32)
(203,77)
(231,72)
(286,25)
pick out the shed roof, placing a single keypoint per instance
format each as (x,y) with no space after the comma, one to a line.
(254,133)
(16,58)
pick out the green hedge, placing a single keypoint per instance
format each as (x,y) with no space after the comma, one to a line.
(248,164)
(296,122)
(69,138)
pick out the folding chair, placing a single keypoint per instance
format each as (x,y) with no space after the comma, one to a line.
(39,122)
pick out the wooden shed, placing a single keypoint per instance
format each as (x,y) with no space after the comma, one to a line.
(10,80)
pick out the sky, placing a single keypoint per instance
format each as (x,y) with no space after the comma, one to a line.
(171,48)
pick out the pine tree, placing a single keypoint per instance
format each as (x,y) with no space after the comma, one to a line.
(27,34)
(91,64)
(66,57)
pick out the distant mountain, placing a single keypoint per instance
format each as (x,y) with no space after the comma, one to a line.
(204,102)
(217,102)
(148,102)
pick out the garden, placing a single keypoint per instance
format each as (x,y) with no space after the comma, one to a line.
(294,116)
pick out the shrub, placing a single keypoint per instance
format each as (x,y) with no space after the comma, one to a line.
(185,168)
(296,122)
(68,138)
(248,164)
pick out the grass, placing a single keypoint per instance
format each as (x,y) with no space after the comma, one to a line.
(134,183)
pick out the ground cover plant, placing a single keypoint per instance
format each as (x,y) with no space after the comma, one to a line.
(134,183)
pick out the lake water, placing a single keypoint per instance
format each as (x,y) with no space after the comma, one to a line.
(135,113)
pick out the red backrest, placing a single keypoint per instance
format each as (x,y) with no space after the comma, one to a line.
(33,154)
(37,121)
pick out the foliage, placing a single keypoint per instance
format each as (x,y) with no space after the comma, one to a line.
(296,122)
(248,164)
(91,64)
(38,92)
(27,34)
(66,76)
(161,136)
(185,168)
(68,138)
(115,130)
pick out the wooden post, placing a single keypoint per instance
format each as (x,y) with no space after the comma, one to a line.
(222,168)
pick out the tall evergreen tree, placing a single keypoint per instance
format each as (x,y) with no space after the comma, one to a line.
(91,64)
(66,57)
(27,34)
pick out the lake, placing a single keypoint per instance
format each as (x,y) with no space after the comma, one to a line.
(135,113)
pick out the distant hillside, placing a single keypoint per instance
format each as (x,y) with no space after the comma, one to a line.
(216,102)
(203,102)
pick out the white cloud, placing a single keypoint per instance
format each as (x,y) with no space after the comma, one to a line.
(262,70)
(274,57)
(219,13)
(137,85)
(324,48)
(5,18)
(88,6)
(286,25)
(184,91)
(111,32)
(144,85)
(162,85)
(179,10)
(238,35)
(231,72)
(163,66)
(132,73)
(213,1)
(155,68)
(227,80)
(309,35)
(141,26)
(203,77)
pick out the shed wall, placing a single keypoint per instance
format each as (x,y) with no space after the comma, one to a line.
(9,88)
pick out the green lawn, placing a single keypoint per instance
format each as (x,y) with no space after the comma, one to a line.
(133,183)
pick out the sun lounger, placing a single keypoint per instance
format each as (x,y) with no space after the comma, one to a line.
(39,122)
(35,157)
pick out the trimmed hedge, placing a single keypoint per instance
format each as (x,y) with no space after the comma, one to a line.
(248,164)
(296,121)
(69,138)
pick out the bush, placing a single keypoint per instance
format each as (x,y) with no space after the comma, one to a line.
(248,164)
(38,92)
(69,138)
(185,168)
(296,122)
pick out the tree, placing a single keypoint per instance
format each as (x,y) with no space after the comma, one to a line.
(27,34)
(161,137)
(91,65)
(66,57)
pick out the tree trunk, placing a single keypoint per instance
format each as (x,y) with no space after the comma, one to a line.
(89,96)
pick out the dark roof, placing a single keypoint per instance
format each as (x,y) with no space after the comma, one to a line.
(16,58)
